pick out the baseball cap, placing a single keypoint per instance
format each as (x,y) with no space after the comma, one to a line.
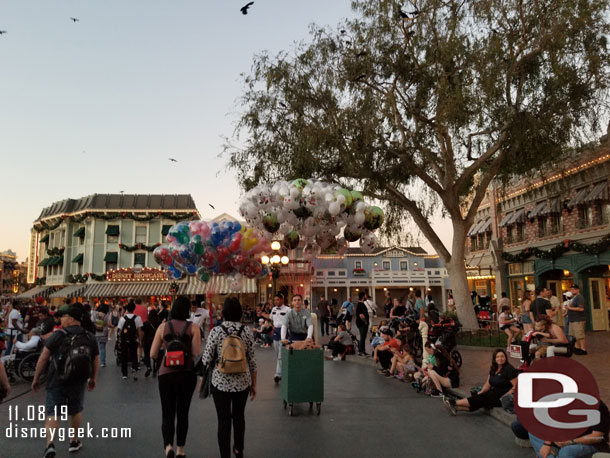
(76,311)
(575,286)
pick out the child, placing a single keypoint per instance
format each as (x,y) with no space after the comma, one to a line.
(507,322)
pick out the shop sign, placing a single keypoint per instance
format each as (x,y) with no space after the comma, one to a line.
(144,274)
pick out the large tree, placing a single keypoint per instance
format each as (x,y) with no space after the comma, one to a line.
(422,107)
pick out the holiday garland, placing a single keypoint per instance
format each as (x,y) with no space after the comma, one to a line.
(187,216)
(139,246)
(78,278)
(559,249)
(41,281)
(56,251)
(97,277)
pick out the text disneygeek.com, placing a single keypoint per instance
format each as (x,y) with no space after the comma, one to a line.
(17,431)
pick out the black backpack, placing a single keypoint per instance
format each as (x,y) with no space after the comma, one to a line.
(177,351)
(74,360)
(129,332)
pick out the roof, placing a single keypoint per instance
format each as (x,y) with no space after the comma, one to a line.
(104,202)
(357,251)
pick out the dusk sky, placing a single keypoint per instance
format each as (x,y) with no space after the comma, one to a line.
(99,105)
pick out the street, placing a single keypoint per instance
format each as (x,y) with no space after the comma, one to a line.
(364,414)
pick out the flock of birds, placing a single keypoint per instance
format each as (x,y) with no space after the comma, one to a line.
(243,9)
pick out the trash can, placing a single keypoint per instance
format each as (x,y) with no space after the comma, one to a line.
(302,378)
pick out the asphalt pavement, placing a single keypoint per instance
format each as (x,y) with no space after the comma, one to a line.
(363,415)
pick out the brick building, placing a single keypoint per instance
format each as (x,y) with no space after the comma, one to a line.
(553,231)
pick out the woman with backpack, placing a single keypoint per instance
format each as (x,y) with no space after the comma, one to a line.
(230,349)
(181,341)
(149,330)
(101,320)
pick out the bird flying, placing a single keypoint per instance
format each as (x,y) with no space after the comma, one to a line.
(172,159)
(2,31)
(74,19)
(244,9)
(212,206)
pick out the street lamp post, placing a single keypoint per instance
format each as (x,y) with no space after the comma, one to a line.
(275,262)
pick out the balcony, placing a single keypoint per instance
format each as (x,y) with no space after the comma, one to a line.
(359,272)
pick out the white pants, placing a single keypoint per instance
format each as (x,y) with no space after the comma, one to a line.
(277,346)
(423,330)
(553,351)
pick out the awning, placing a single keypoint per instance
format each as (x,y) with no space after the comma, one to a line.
(70,291)
(600,192)
(55,260)
(45,239)
(504,221)
(111,256)
(518,217)
(165,230)
(43,291)
(474,229)
(78,258)
(112,230)
(101,289)
(542,206)
(485,227)
(579,198)
(80,232)
(219,284)
(553,208)
(44,262)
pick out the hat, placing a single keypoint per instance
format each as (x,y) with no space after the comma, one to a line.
(261,320)
(575,286)
(386,331)
(74,310)
(568,294)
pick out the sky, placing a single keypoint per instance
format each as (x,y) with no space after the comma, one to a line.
(99,105)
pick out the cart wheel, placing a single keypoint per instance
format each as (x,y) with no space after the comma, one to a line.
(318,408)
(290,410)
(285,405)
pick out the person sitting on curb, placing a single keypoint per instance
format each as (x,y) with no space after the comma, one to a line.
(445,373)
(501,381)
(428,362)
(592,441)
(339,344)
(403,361)
(384,352)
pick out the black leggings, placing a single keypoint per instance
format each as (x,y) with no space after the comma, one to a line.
(230,407)
(129,354)
(176,390)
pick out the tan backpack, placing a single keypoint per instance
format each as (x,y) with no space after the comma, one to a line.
(232,358)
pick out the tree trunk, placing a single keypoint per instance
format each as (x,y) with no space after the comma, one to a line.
(456,268)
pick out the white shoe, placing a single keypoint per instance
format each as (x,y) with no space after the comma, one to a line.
(336,358)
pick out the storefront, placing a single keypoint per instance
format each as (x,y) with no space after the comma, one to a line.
(520,278)
(482,281)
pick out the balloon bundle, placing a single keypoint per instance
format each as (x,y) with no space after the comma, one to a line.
(325,215)
(202,249)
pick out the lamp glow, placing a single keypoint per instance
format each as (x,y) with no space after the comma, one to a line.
(285,260)
(265,260)
(275,259)
(275,245)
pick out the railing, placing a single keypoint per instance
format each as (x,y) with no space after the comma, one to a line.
(490,337)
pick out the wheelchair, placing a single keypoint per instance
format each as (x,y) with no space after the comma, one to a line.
(23,365)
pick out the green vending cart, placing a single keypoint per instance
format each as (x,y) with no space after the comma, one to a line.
(302,378)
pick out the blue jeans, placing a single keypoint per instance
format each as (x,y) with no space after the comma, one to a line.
(569,451)
(102,345)
(9,342)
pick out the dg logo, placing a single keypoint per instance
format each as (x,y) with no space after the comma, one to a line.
(557,399)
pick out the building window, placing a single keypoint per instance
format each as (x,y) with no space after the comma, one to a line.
(515,269)
(585,217)
(519,233)
(139,259)
(358,265)
(473,243)
(79,269)
(482,243)
(528,267)
(600,213)
(542,226)
(555,226)
(605,213)
(111,266)
(386,265)
(404,265)
(112,234)
(140,234)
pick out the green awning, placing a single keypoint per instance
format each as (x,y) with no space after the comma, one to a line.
(111,256)
(165,230)
(112,230)
(44,262)
(80,233)
(45,239)
(78,258)
(55,261)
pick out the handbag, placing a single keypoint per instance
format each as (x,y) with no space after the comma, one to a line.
(205,388)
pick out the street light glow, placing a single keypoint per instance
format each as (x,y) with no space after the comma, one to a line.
(285,260)
(275,259)
(275,245)
(265,260)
